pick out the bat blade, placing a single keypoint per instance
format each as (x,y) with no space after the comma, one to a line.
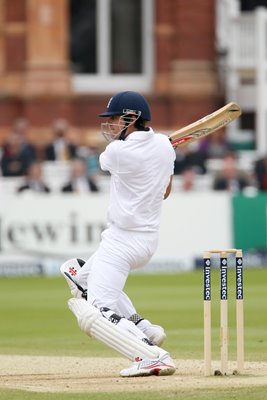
(206,125)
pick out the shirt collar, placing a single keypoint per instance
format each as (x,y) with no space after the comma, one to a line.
(140,135)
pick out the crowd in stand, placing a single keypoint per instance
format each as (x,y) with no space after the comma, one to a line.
(19,158)
(191,161)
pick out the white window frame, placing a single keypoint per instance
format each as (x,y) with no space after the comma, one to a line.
(104,81)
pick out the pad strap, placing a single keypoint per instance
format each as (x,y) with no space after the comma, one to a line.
(136,318)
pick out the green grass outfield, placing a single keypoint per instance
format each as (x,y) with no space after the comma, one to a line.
(226,394)
(36,321)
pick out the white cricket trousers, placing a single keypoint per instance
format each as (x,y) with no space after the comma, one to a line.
(105,273)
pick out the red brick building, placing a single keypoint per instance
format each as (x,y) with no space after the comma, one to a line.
(172,57)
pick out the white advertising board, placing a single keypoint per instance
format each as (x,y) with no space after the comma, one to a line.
(52,228)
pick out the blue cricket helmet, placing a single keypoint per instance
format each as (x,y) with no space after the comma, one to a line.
(127,101)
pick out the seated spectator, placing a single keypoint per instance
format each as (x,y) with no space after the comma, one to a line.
(16,156)
(190,157)
(80,182)
(91,155)
(92,160)
(188,180)
(20,127)
(33,180)
(61,149)
(229,178)
(260,171)
(215,145)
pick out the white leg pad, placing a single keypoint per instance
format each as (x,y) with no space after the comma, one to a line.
(91,321)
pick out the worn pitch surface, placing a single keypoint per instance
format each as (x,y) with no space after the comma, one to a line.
(77,374)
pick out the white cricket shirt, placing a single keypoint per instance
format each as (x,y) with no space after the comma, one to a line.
(140,168)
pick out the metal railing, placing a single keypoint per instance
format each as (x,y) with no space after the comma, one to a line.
(243,50)
(245,65)
(248,39)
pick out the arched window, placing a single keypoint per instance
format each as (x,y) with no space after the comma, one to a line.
(111,44)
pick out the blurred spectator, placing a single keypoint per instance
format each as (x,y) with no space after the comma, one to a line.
(229,178)
(33,180)
(21,127)
(91,155)
(215,145)
(190,157)
(188,179)
(260,171)
(61,149)
(80,182)
(16,156)
(92,161)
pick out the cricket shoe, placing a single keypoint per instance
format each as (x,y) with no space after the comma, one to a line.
(155,333)
(145,367)
(69,270)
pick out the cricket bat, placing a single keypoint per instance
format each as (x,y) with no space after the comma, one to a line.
(206,125)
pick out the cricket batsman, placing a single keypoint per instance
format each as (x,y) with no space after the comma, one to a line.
(141,164)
